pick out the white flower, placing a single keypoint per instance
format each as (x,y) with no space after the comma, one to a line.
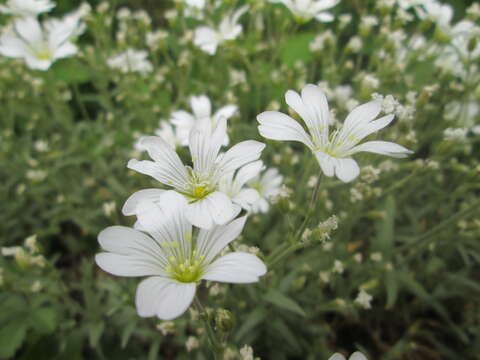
(202,116)
(169,134)
(131,60)
(208,205)
(172,259)
(233,185)
(355,356)
(364,299)
(332,150)
(305,10)
(39,45)
(208,39)
(26,8)
(268,185)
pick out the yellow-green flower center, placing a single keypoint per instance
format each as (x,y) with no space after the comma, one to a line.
(200,191)
(44,54)
(186,270)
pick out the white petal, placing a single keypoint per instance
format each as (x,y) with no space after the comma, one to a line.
(327,163)
(165,219)
(324,17)
(206,39)
(201,106)
(239,155)
(362,115)
(12,46)
(29,29)
(165,298)
(337,356)
(130,206)
(277,126)
(246,198)
(130,252)
(225,112)
(248,172)
(167,167)
(65,50)
(216,208)
(317,105)
(383,148)
(346,169)
(357,355)
(204,145)
(198,215)
(373,126)
(236,267)
(211,242)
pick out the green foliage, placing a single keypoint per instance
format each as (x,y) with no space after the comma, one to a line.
(408,228)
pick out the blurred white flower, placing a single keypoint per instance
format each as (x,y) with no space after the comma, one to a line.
(306,10)
(200,185)
(455,134)
(202,116)
(26,8)
(131,60)
(364,299)
(233,185)
(267,185)
(172,260)
(39,45)
(355,356)
(332,150)
(246,352)
(208,39)
(169,134)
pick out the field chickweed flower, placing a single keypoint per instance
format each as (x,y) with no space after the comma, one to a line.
(26,8)
(233,185)
(38,45)
(173,260)
(208,205)
(131,60)
(357,355)
(202,116)
(208,39)
(332,150)
(267,185)
(306,10)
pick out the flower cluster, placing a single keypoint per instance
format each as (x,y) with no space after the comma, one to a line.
(40,44)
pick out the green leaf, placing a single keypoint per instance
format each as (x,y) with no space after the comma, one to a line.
(386,229)
(127,332)
(71,71)
(95,333)
(12,336)
(249,323)
(44,320)
(297,48)
(277,298)
(391,284)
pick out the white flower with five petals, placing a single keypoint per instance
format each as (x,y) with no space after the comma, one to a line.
(332,150)
(306,10)
(26,8)
(268,185)
(357,355)
(233,185)
(172,259)
(208,39)
(131,60)
(202,116)
(200,184)
(39,45)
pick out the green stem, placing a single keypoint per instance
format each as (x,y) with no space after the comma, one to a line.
(289,247)
(215,346)
(423,239)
